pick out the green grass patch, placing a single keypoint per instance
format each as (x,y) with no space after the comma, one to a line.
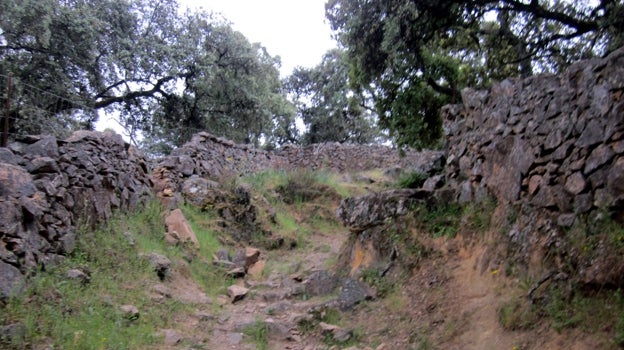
(592,311)
(518,314)
(204,225)
(478,216)
(412,180)
(258,334)
(69,314)
(374,278)
(446,219)
(441,220)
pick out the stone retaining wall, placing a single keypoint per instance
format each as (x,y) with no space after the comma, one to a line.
(554,143)
(208,156)
(343,157)
(551,146)
(49,186)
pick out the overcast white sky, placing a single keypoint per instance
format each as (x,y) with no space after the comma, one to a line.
(295,30)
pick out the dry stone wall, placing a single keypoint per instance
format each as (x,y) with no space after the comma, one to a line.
(208,156)
(552,146)
(211,157)
(343,157)
(554,143)
(48,186)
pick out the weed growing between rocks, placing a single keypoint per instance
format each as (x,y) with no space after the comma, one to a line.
(518,314)
(301,202)
(447,219)
(441,220)
(257,333)
(412,180)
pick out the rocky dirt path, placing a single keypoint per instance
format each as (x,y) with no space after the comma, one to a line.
(450,301)
(476,291)
(277,301)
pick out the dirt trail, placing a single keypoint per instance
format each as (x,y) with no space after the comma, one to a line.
(451,301)
(477,292)
(277,300)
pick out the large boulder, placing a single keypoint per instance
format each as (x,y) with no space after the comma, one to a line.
(361,213)
(179,230)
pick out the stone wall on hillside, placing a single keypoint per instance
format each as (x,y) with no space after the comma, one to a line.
(552,146)
(208,156)
(49,186)
(344,157)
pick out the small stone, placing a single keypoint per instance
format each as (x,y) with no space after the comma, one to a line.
(130,312)
(251,256)
(235,338)
(583,202)
(247,257)
(237,293)
(601,155)
(43,165)
(161,265)
(326,327)
(11,280)
(76,274)
(222,255)
(353,292)
(575,183)
(204,317)
(237,272)
(255,271)
(222,300)
(338,334)
(433,183)
(162,290)
(342,335)
(172,337)
(566,220)
(321,282)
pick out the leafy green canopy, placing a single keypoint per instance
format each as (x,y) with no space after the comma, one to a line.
(329,108)
(165,73)
(415,55)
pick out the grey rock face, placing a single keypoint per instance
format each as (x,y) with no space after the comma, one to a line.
(353,292)
(360,213)
(11,280)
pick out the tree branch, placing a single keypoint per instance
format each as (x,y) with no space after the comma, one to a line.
(539,11)
(445,90)
(135,94)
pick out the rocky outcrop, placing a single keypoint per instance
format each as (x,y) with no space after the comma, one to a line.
(49,186)
(364,212)
(551,147)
